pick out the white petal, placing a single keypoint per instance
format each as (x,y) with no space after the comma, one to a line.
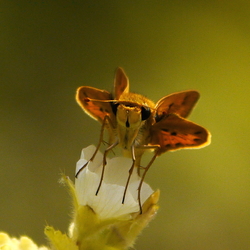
(108,202)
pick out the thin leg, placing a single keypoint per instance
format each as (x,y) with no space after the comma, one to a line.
(104,164)
(130,173)
(106,118)
(144,174)
(138,159)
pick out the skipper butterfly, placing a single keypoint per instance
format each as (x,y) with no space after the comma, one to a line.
(137,124)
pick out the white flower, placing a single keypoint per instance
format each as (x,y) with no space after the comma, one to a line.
(102,222)
(108,202)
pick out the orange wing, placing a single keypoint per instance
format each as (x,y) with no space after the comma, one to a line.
(99,103)
(121,83)
(96,109)
(173,132)
(180,103)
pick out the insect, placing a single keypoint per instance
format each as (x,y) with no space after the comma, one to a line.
(137,124)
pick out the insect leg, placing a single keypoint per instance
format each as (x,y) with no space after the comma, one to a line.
(130,173)
(105,120)
(156,147)
(104,164)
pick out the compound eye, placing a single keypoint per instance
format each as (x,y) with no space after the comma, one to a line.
(145,113)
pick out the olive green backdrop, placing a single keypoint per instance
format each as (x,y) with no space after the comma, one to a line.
(49,48)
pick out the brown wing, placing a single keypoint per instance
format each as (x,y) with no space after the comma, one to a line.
(96,109)
(121,83)
(174,132)
(180,103)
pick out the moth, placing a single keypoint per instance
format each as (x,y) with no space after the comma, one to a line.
(137,124)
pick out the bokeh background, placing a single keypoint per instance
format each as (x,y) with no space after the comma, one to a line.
(49,48)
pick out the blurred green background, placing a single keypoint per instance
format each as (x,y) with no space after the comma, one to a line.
(49,48)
